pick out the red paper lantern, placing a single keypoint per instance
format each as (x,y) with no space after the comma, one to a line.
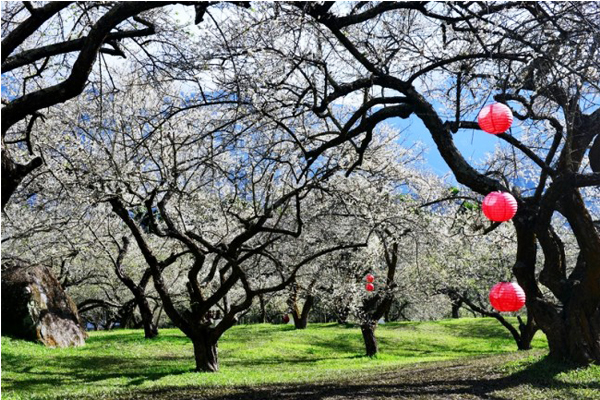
(495,118)
(507,296)
(370,278)
(370,287)
(499,206)
(286,318)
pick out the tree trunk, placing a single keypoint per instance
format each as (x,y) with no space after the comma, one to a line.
(301,321)
(206,355)
(581,308)
(263,309)
(527,332)
(158,315)
(572,335)
(573,330)
(150,329)
(456,304)
(368,332)
(581,332)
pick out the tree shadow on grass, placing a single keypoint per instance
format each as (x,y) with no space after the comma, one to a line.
(282,362)
(137,337)
(402,325)
(449,380)
(340,344)
(76,370)
(334,325)
(411,348)
(492,331)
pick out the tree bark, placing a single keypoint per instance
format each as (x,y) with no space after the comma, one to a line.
(456,304)
(263,309)
(298,322)
(527,332)
(581,330)
(205,354)
(573,330)
(301,320)
(300,316)
(581,310)
(368,333)
(150,329)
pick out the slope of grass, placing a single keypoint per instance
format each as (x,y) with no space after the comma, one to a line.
(122,363)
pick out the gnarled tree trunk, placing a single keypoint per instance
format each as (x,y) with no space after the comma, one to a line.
(573,333)
(527,332)
(582,333)
(456,304)
(205,354)
(263,309)
(301,318)
(572,329)
(368,333)
(150,329)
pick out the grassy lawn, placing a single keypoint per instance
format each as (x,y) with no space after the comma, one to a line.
(123,364)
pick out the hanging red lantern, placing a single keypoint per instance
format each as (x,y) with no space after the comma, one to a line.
(495,118)
(370,287)
(286,318)
(370,278)
(499,206)
(507,296)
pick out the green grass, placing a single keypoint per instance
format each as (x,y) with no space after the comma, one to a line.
(543,378)
(122,362)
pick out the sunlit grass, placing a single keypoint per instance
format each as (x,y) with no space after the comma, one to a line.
(122,361)
(544,378)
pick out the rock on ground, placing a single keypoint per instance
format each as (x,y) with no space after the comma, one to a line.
(35,307)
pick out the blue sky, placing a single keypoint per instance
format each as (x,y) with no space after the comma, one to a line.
(473,144)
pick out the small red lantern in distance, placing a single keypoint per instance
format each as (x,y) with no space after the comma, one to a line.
(499,206)
(495,118)
(507,296)
(286,318)
(370,287)
(370,278)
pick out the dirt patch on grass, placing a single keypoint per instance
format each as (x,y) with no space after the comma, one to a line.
(473,378)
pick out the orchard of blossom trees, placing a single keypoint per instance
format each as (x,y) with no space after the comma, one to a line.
(201,164)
